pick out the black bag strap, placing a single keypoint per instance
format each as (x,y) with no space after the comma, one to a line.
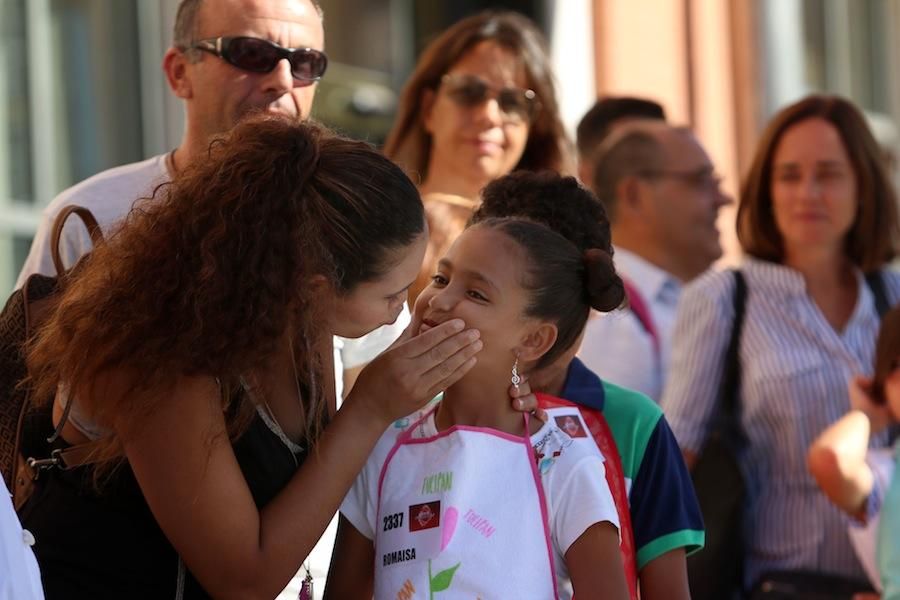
(730,387)
(876,284)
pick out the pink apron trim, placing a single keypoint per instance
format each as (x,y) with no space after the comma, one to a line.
(404,436)
(486,430)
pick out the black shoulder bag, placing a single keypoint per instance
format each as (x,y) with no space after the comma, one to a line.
(715,573)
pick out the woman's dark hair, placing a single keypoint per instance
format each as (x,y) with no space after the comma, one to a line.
(887,352)
(871,241)
(207,276)
(564,230)
(547,148)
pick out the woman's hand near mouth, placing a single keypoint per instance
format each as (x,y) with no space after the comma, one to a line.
(415,369)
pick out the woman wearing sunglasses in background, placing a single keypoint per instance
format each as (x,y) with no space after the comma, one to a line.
(480,104)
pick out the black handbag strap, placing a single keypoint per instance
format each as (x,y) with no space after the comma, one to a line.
(730,387)
(876,284)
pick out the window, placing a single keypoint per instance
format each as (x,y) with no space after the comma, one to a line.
(70,106)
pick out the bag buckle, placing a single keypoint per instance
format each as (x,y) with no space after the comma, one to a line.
(42,464)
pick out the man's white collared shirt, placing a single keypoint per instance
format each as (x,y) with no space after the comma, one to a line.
(618,347)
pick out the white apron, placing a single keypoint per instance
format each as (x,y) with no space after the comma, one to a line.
(462,515)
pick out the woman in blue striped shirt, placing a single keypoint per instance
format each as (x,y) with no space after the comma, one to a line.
(817,213)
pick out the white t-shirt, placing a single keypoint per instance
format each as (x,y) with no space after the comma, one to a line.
(574,483)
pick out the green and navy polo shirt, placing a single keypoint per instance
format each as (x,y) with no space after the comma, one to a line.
(665,514)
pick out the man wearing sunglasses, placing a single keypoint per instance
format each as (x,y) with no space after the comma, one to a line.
(662,195)
(228,58)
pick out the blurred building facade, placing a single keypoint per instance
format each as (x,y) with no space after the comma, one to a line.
(81,88)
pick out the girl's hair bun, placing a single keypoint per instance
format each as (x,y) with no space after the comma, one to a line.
(604,287)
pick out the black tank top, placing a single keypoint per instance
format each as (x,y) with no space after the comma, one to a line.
(108,545)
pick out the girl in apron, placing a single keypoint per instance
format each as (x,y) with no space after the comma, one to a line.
(465,498)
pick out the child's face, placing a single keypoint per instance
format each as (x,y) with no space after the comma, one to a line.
(479,281)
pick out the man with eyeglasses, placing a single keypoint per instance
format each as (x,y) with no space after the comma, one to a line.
(662,195)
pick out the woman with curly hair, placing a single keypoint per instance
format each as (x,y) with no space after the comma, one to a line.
(191,351)
(480,104)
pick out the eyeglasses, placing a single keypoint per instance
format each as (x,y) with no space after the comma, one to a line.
(704,178)
(470,91)
(261,56)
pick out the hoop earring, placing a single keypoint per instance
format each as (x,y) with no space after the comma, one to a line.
(515,379)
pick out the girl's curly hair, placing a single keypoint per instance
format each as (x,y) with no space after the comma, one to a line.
(571,270)
(210,273)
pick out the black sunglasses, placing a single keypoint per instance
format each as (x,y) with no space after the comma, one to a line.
(261,56)
(469,91)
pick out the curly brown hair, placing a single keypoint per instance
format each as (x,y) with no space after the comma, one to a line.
(208,276)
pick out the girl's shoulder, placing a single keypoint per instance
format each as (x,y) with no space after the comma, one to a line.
(418,420)
(392,434)
(564,441)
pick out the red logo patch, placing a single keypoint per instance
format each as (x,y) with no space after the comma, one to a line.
(571,425)
(425,516)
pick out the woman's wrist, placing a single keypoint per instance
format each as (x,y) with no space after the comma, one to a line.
(360,405)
